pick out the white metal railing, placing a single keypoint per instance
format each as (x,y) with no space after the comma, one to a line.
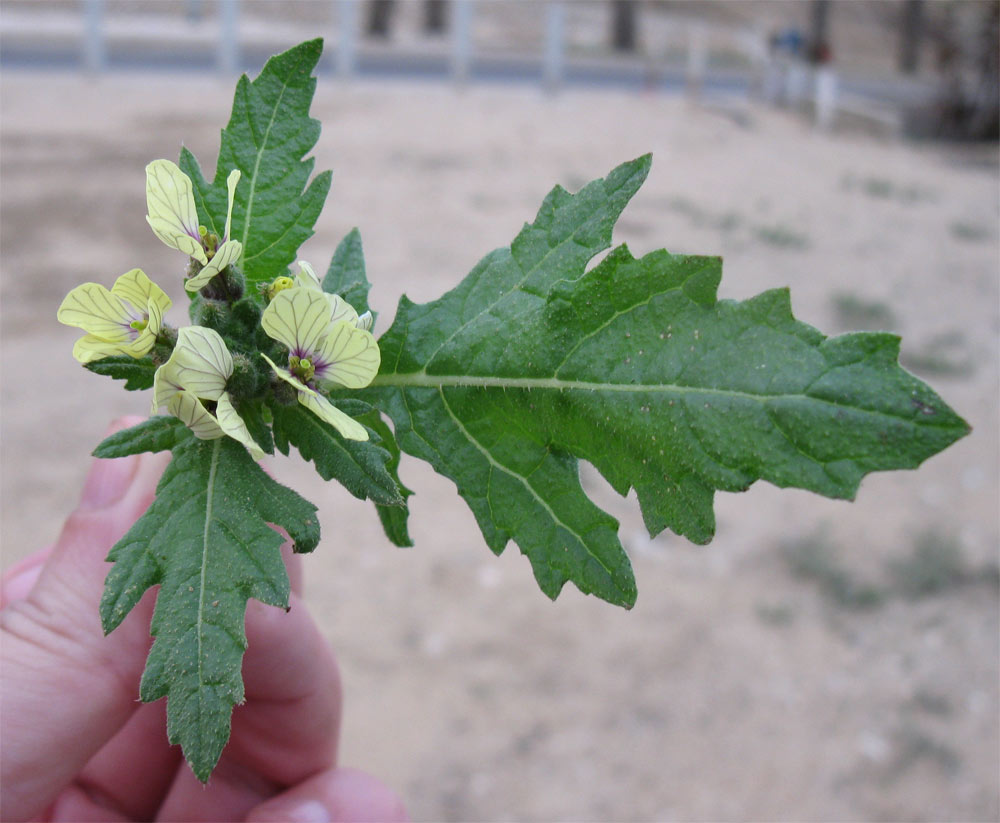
(777,79)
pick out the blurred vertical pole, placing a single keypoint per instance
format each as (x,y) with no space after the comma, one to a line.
(461,40)
(819,35)
(623,25)
(434,16)
(94,54)
(228,56)
(379,18)
(911,33)
(555,44)
(825,101)
(697,61)
(755,43)
(347,37)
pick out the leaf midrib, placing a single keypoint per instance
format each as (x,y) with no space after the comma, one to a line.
(531,490)
(209,505)
(435,381)
(261,149)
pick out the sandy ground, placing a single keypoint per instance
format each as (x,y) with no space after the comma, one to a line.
(757,678)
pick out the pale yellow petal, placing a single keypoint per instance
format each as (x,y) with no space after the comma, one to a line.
(231,181)
(299,318)
(232,424)
(94,309)
(200,362)
(340,310)
(227,254)
(165,385)
(364,321)
(325,410)
(89,348)
(306,278)
(287,376)
(172,213)
(354,354)
(156,309)
(141,345)
(138,290)
(190,411)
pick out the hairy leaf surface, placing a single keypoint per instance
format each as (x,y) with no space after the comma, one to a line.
(533,363)
(268,135)
(360,466)
(206,541)
(136,372)
(395,517)
(157,434)
(346,274)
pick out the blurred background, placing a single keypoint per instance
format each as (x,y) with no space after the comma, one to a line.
(820,660)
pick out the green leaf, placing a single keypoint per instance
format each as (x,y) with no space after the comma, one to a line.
(394,518)
(268,135)
(157,434)
(533,363)
(253,413)
(206,541)
(136,372)
(361,466)
(346,274)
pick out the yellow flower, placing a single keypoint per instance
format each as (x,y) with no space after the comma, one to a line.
(326,349)
(198,370)
(307,279)
(174,219)
(124,320)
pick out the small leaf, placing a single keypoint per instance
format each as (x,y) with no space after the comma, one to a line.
(206,541)
(268,135)
(157,434)
(136,372)
(533,363)
(394,518)
(346,274)
(361,466)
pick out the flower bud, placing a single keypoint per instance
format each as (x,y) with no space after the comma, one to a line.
(247,380)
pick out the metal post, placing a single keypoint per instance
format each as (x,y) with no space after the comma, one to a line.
(94,53)
(697,61)
(228,56)
(461,40)
(555,44)
(911,32)
(825,97)
(347,40)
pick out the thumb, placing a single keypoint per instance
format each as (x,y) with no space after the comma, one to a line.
(65,688)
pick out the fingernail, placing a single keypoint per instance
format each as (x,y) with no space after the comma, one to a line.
(108,481)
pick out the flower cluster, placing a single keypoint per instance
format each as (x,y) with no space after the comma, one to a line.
(328,344)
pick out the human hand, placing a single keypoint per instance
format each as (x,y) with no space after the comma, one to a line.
(77,744)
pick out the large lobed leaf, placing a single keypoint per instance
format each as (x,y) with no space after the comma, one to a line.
(206,541)
(268,135)
(533,363)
